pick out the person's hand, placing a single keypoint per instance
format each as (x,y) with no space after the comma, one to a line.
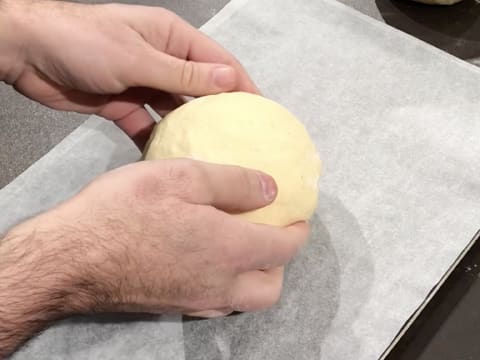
(155,236)
(113,59)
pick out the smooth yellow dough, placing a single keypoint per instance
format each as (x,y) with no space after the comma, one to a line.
(250,131)
(438,2)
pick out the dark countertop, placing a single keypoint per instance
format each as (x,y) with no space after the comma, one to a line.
(29,130)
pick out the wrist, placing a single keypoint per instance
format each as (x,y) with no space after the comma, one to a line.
(12,39)
(48,249)
(38,284)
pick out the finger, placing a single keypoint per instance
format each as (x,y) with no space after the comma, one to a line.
(229,188)
(44,90)
(129,114)
(257,290)
(177,38)
(164,72)
(257,246)
(138,125)
(125,109)
(189,43)
(164,104)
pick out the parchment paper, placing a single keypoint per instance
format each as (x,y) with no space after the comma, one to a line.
(397,124)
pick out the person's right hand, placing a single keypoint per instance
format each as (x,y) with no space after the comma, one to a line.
(158,237)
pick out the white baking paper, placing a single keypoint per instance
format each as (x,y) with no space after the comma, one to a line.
(397,124)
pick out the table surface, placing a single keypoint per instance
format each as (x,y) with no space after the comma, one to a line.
(29,130)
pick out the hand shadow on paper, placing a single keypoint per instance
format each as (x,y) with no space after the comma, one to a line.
(297,327)
(455,29)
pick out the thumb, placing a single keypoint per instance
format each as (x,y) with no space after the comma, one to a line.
(235,189)
(225,187)
(168,73)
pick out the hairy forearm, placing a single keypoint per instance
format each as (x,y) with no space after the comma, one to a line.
(37,285)
(27,302)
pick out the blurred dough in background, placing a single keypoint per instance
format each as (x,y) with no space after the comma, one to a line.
(438,2)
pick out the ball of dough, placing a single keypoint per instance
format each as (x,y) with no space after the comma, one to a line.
(249,131)
(438,2)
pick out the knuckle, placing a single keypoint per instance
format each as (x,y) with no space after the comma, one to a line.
(295,243)
(187,177)
(231,257)
(247,179)
(166,15)
(219,232)
(177,178)
(180,173)
(235,251)
(146,185)
(178,170)
(187,75)
(273,297)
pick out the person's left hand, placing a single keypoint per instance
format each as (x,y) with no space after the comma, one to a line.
(113,59)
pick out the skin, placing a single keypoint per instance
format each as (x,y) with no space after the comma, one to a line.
(148,237)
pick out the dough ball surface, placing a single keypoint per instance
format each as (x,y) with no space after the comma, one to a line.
(249,131)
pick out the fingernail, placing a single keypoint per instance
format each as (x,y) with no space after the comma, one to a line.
(269,187)
(224,77)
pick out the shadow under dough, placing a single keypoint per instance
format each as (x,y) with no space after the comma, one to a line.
(455,29)
(325,288)
(298,325)
(356,268)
